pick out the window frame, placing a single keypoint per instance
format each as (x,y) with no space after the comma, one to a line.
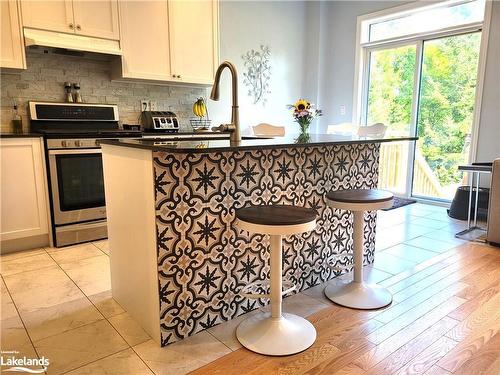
(406,10)
(362,57)
(415,97)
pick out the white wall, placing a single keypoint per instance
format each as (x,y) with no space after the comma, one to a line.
(247,24)
(338,50)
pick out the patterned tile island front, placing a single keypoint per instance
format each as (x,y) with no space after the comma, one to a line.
(199,260)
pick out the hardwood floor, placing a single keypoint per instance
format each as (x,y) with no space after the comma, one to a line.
(445,319)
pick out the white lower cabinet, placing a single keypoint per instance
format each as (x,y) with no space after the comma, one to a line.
(24,208)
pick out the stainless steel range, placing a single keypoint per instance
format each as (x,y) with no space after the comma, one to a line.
(72,132)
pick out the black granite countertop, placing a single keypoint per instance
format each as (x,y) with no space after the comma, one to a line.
(250,143)
(20,135)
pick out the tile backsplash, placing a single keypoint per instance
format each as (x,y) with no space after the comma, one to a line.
(46,74)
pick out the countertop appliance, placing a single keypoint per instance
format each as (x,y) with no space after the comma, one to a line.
(159,122)
(72,132)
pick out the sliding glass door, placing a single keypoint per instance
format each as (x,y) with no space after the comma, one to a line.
(425,88)
(445,114)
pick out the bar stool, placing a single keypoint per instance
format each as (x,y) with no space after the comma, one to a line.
(276,333)
(357,294)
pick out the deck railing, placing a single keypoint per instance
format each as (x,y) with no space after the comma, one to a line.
(393,171)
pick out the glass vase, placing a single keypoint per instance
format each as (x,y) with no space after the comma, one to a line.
(304,136)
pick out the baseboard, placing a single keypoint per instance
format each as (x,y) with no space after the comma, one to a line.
(11,246)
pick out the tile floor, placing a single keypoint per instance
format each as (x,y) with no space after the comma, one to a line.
(57,302)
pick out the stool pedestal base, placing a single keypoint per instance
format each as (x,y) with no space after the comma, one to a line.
(358,295)
(285,335)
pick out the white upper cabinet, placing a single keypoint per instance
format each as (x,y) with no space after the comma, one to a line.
(159,40)
(193,27)
(146,54)
(12,45)
(89,18)
(178,43)
(54,15)
(97,18)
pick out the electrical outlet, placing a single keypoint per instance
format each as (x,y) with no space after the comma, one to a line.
(342,110)
(144,105)
(153,105)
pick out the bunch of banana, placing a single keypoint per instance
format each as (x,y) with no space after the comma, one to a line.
(199,108)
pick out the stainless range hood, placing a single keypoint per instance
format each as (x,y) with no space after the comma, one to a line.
(34,37)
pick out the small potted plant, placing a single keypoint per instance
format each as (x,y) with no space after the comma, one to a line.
(304,113)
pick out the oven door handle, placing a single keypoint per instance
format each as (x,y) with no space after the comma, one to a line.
(75,151)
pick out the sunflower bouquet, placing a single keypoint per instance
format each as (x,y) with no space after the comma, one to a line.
(304,113)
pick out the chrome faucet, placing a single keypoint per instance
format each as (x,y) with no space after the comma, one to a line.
(234,126)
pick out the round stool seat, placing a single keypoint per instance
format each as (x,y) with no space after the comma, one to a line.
(360,199)
(276,219)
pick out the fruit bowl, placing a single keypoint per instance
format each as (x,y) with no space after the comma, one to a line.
(200,124)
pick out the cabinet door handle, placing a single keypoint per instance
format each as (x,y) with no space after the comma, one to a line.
(78,27)
(71,26)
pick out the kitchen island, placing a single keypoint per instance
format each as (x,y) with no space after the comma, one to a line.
(178,263)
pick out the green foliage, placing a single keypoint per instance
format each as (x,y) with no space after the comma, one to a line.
(446,102)
(391,88)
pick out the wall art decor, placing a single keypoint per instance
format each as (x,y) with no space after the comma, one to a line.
(257,74)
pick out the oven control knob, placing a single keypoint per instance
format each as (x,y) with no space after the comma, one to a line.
(64,143)
(97,143)
(78,143)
